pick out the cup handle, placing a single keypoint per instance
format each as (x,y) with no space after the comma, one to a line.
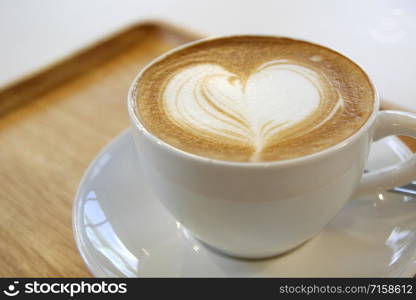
(390,122)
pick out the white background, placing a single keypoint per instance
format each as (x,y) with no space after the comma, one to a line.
(380,35)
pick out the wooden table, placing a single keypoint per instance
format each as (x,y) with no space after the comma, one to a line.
(51,127)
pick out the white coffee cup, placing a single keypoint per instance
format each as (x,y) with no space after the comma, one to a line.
(257,210)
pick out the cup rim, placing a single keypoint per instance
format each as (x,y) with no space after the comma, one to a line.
(135,119)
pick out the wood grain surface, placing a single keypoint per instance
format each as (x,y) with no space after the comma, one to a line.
(51,126)
(48,141)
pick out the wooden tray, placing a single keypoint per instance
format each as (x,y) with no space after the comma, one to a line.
(52,124)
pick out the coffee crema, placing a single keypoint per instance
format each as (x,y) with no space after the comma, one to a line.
(253,98)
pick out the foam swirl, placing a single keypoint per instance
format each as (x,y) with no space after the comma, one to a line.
(209,101)
(253,98)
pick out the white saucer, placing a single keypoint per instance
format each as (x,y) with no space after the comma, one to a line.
(122,230)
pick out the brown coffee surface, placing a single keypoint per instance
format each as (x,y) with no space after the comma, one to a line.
(253,98)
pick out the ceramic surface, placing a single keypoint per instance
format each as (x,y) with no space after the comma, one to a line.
(122,230)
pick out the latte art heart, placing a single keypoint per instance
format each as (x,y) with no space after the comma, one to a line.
(253,98)
(207,100)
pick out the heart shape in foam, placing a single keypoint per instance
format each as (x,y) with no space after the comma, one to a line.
(209,101)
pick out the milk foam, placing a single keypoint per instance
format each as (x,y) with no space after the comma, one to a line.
(206,99)
(253,98)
